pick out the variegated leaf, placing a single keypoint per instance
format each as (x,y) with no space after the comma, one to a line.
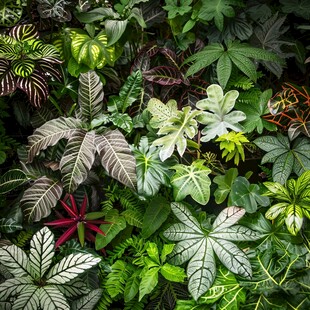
(12,179)
(40,50)
(236,233)
(70,267)
(77,159)
(201,270)
(116,157)
(40,198)
(49,69)
(294,218)
(90,95)
(29,299)
(13,287)
(232,257)
(52,299)
(23,67)
(10,12)
(24,32)
(164,75)
(42,250)
(41,116)
(228,217)
(35,86)
(74,288)
(87,302)
(9,225)
(7,79)
(50,133)
(15,260)
(180,231)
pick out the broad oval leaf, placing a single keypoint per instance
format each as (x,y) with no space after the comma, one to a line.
(7,79)
(164,76)
(11,180)
(116,157)
(40,198)
(9,225)
(70,267)
(77,159)
(294,218)
(10,13)
(114,29)
(42,250)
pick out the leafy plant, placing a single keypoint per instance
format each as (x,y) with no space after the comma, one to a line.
(79,221)
(286,157)
(292,202)
(38,284)
(10,12)
(55,9)
(25,63)
(232,144)
(236,53)
(221,119)
(198,242)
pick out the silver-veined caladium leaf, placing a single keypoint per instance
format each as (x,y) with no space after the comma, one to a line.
(37,285)
(222,117)
(200,245)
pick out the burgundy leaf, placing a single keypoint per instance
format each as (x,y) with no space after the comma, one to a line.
(68,209)
(83,207)
(164,76)
(66,235)
(7,78)
(94,228)
(60,222)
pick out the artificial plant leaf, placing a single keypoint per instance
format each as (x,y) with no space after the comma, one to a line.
(246,195)
(71,267)
(11,180)
(42,250)
(254,113)
(224,183)
(40,198)
(191,180)
(155,215)
(87,302)
(151,171)
(35,86)
(9,225)
(116,157)
(176,130)
(50,133)
(15,260)
(199,248)
(116,225)
(77,159)
(90,97)
(52,298)
(221,119)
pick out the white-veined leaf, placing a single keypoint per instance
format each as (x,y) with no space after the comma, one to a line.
(77,159)
(13,287)
(42,250)
(294,218)
(232,257)
(74,288)
(236,233)
(70,267)
(116,157)
(40,198)
(52,299)
(9,225)
(50,133)
(29,299)
(228,217)
(201,270)
(15,260)
(12,179)
(90,95)
(87,302)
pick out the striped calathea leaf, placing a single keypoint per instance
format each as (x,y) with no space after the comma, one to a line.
(26,62)
(199,243)
(36,283)
(84,142)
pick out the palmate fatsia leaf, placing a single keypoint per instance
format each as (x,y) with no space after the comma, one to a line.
(90,96)
(176,130)
(29,299)
(70,267)
(191,180)
(13,287)
(52,298)
(40,198)
(116,157)
(198,247)
(50,133)
(221,119)
(42,250)
(77,159)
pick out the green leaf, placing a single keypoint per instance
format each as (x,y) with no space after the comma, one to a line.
(298,7)
(10,13)
(11,180)
(9,225)
(246,195)
(114,30)
(175,8)
(118,223)
(294,218)
(222,118)
(40,198)
(191,180)
(149,280)
(70,267)
(122,120)
(167,249)
(224,183)
(132,286)
(151,171)
(155,215)
(173,273)
(42,250)
(116,157)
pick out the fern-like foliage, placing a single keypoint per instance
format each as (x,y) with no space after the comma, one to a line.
(22,238)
